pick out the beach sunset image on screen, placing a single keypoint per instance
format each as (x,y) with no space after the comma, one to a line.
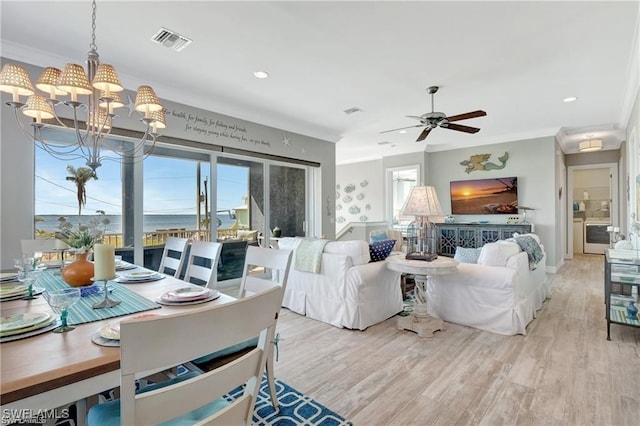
(485,196)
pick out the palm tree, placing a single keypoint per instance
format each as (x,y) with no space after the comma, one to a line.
(80,177)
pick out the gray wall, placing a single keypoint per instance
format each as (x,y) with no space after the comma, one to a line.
(183,122)
(531,160)
(368,178)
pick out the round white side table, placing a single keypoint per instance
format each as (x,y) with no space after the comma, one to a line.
(419,321)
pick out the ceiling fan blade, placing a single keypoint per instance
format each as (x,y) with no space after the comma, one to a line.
(423,135)
(414,116)
(402,128)
(465,116)
(460,128)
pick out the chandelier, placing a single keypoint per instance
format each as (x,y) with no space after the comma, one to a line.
(101,85)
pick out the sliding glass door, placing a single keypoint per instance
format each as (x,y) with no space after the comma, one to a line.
(287,195)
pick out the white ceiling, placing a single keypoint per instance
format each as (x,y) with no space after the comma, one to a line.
(515,60)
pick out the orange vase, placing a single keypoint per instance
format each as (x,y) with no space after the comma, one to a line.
(79,272)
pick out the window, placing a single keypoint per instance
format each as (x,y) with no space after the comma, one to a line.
(56,196)
(400,180)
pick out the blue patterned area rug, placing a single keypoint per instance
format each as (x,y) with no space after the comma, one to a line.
(295,408)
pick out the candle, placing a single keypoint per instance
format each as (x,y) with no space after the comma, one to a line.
(104,262)
(616,229)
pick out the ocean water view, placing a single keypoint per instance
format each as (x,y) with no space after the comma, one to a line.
(153,222)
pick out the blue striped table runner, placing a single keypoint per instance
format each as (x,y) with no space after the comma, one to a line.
(83,312)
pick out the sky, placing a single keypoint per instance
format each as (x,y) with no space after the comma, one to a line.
(169,186)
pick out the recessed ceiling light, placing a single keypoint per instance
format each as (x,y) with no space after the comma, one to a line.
(261,74)
(402,131)
(569,99)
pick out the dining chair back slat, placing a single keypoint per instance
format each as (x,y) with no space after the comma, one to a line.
(173,246)
(275,264)
(143,350)
(210,252)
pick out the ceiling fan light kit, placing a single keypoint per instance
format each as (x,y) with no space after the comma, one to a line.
(434,119)
(590,145)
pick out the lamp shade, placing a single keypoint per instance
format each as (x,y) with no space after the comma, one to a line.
(103,121)
(590,145)
(74,80)
(15,80)
(159,121)
(422,201)
(48,81)
(37,107)
(115,101)
(106,79)
(146,100)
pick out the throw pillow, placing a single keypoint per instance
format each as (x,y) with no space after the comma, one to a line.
(467,255)
(381,236)
(380,250)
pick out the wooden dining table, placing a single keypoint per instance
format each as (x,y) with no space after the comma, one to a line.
(51,370)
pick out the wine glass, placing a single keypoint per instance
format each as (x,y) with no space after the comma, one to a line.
(27,277)
(60,301)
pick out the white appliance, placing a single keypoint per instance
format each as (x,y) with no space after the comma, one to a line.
(596,237)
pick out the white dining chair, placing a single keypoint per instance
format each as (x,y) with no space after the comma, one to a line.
(192,398)
(264,269)
(202,263)
(173,255)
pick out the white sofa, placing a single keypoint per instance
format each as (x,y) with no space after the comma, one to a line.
(499,294)
(348,292)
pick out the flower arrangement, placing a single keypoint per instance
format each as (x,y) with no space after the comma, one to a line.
(83,237)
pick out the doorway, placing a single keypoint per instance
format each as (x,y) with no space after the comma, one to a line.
(592,206)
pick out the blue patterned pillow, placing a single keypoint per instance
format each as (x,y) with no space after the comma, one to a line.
(380,250)
(376,238)
(467,255)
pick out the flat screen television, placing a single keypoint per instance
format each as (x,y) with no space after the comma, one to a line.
(485,196)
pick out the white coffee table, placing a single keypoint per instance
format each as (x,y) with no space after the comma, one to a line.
(419,321)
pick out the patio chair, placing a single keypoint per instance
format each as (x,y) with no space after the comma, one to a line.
(191,398)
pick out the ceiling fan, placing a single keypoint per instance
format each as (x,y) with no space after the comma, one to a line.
(433,119)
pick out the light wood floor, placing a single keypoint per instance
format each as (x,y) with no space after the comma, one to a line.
(563,372)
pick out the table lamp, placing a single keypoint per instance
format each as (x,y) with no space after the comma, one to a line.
(423,202)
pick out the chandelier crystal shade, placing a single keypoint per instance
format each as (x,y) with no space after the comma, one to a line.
(101,86)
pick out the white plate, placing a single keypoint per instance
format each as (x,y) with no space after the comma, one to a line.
(12,290)
(140,275)
(123,266)
(22,321)
(215,294)
(187,293)
(124,280)
(41,328)
(8,276)
(111,330)
(103,341)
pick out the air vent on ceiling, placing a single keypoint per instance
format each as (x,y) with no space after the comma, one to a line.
(171,39)
(352,110)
